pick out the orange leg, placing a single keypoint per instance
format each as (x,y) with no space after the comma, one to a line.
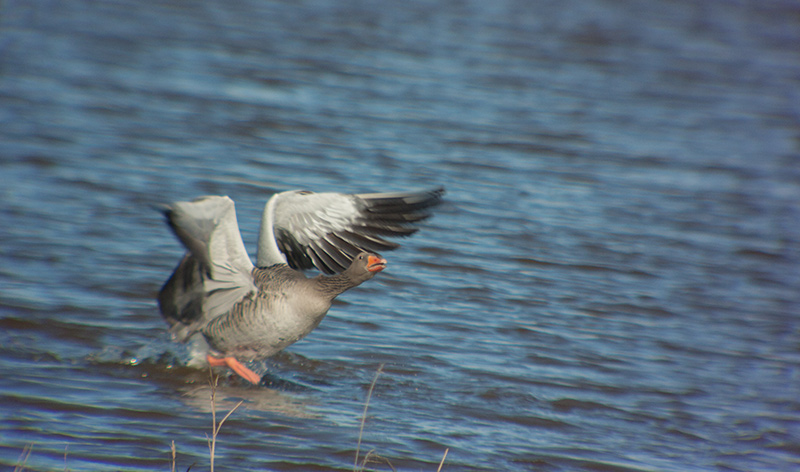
(237,367)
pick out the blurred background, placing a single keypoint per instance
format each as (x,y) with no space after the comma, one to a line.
(610,285)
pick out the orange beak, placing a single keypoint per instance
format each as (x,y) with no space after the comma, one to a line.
(376,263)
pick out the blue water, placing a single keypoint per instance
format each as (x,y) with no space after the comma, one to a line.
(610,285)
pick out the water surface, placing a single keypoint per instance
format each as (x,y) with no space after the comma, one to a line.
(611,284)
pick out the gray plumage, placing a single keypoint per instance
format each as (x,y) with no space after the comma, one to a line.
(284,309)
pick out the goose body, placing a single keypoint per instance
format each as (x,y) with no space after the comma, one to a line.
(245,312)
(285,308)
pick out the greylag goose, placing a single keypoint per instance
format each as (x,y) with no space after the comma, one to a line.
(246,312)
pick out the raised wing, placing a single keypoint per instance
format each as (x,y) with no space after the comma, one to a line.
(327,230)
(216,271)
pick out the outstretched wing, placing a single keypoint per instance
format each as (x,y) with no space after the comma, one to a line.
(216,271)
(327,230)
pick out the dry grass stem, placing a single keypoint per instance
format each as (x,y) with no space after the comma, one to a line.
(443,457)
(374,458)
(212,442)
(371,456)
(364,418)
(23,458)
(174,454)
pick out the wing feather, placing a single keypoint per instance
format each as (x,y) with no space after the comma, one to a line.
(365,241)
(320,259)
(216,272)
(326,230)
(335,252)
